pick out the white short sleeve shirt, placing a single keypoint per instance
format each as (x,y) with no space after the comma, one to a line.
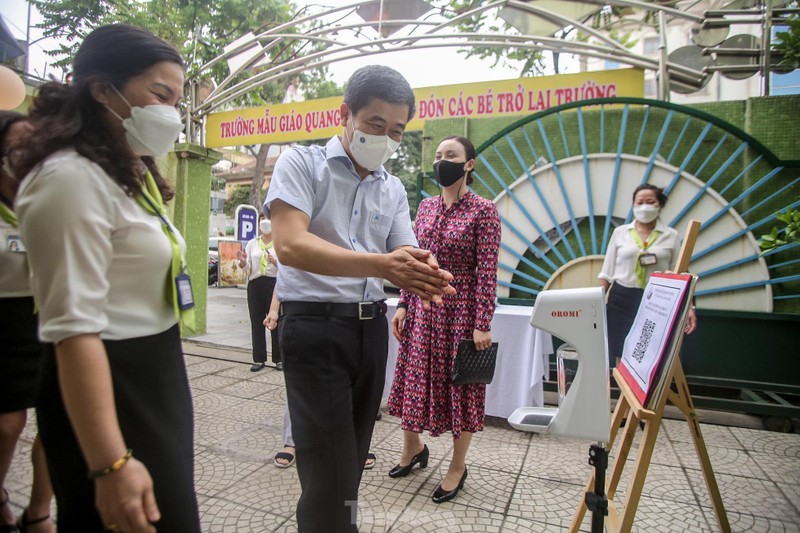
(622,253)
(367,215)
(99,261)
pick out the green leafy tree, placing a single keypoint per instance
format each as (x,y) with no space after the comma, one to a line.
(530,62)
(780,236)
(406,164)
(787,45)
(238,196)
(317,83)
(198,29)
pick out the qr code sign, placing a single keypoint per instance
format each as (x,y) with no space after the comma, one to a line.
(644,340)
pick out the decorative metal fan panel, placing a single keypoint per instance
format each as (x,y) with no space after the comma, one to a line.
(563,179)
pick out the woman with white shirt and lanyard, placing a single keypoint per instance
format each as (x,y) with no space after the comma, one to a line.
(635,251)
(20,350)
(114,410)
(261,264)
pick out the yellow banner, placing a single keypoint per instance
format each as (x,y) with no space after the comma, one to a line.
(319,119)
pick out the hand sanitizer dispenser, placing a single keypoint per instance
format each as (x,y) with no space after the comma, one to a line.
(577,316)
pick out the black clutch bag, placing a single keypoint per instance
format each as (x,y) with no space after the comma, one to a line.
(473,366)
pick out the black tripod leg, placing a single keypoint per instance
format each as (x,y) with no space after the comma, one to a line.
(596,501)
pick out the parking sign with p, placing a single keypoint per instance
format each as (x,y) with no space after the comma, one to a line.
(246,223)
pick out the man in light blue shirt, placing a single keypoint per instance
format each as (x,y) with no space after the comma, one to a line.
(340,226)
(368,215)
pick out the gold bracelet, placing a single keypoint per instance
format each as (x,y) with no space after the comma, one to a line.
(116,465)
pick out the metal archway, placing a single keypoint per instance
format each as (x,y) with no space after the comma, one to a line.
(337,34)
(562,180)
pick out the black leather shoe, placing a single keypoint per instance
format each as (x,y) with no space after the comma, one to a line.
(257,366)
(421,458)
(441,496)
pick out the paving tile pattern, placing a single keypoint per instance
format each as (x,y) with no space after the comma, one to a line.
(517,482)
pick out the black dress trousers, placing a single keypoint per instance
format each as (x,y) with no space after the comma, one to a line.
(259,298)
(334,370)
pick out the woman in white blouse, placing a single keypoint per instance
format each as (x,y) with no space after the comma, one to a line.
(635,251)
(20,350)
(261,265)
(115,410)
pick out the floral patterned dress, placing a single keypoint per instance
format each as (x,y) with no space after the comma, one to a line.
(465,238)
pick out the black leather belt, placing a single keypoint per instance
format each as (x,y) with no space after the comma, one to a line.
(360,310)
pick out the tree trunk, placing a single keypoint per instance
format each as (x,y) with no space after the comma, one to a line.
(258,177)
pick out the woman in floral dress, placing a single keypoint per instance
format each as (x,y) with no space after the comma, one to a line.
(462,230)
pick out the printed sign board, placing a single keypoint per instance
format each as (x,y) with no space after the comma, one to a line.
(320,119)
(649,342)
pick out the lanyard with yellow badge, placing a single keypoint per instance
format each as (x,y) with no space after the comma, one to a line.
(644,258)
(180,293)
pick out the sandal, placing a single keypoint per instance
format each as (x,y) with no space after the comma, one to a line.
(23,523)
(285,456)
(7,528)
(369,464)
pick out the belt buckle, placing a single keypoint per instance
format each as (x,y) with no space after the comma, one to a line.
(362,306)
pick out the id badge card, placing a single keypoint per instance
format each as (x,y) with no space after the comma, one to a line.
(647,259)
(13,243)
(183,284)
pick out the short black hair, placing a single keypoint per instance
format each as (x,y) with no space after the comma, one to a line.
(381,82)
(660,196)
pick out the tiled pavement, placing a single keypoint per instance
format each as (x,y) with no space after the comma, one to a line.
(517,481)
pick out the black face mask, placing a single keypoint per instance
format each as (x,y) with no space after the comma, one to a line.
(448,172)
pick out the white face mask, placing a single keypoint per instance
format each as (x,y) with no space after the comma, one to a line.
(646,213)
(150,130)
(371,151)
(265,226)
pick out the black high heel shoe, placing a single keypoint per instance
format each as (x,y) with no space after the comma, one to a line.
(421,458)
(441,496)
